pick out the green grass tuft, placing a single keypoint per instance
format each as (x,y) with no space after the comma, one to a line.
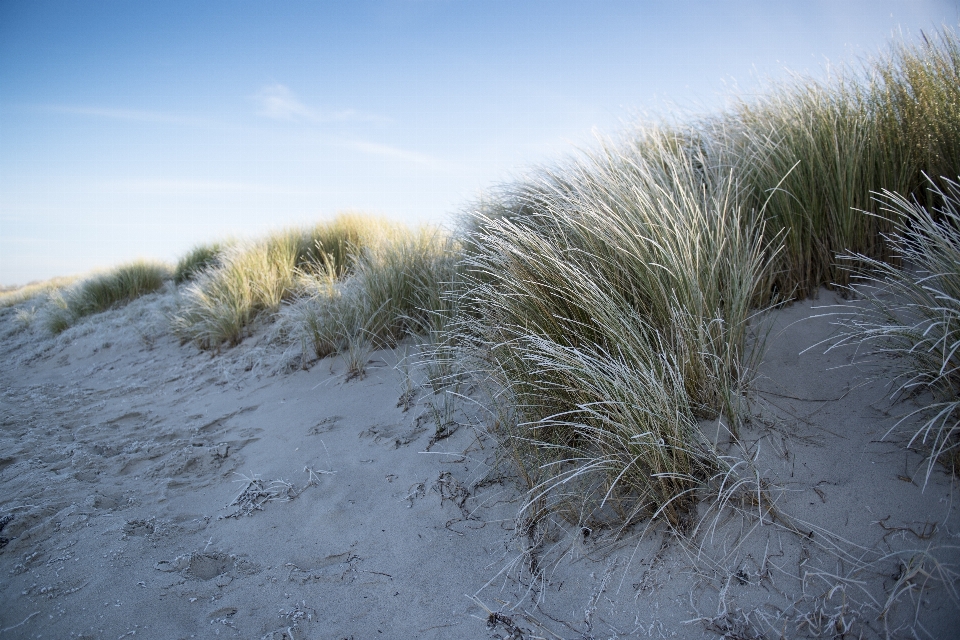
(811,154)
(199,259)
(610,301)
(607,301)
(104,291)
(920,108)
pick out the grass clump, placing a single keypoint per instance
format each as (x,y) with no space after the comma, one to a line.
(914,314)
(254,277)
(920,100)
(609,300)
(104,291)
(404,279)
(813,153)
(219,303)
(393,290)
(197,260)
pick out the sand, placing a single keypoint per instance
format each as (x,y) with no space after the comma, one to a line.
(149,489)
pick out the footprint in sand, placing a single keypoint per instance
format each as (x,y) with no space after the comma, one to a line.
(395,435)
(208,565)
(324,426)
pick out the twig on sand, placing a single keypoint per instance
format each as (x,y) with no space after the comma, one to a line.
(21,623)
(257,493)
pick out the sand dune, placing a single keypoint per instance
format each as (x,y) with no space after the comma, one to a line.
(148,489)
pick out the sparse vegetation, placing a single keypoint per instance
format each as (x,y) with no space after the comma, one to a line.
(16,295)
(590,333)
(606,302)
(103,291)
(914,314)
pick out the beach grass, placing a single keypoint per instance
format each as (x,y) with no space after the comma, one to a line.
(810,154)
(913,314)
(813,153)
(254,277)
(610,302)
(197,260)
(99,292)
(920,105)
(394,289)
(12,296)
(608,299)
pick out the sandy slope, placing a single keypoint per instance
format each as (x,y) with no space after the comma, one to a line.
(148,489)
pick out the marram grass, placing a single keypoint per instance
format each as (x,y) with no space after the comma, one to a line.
(812,154)
(104,291)
(609,301)
(606,303)
(394,290)
(197,260)
(913,314)
(16,295)
(920,108)
(255,277)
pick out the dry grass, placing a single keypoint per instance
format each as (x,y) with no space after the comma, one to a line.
(198,260)
(16,295)
(815,152)
(394,289)
(606,301)
(812,154)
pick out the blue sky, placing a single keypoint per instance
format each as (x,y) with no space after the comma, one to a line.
(133,129)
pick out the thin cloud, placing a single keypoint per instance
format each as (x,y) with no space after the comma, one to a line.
(132,115)
(278,102)
(393,153)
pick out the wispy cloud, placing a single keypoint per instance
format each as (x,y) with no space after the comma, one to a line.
(393,153)
(133,115)
(278,102)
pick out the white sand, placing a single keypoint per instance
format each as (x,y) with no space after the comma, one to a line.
(123,455)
